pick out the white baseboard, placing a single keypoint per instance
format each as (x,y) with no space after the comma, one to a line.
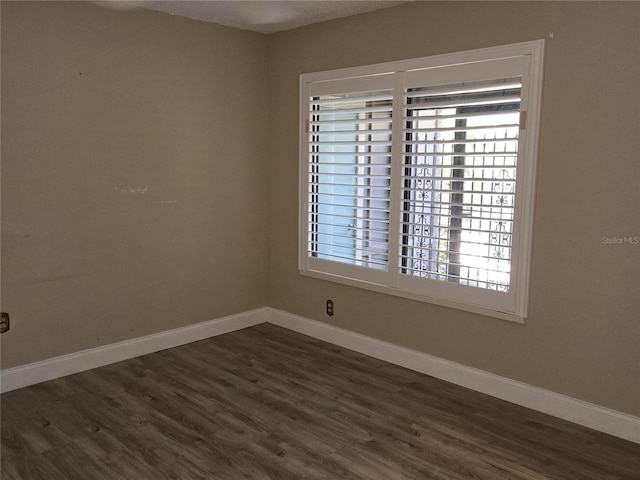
(577,411)
(30,374)
(583,413)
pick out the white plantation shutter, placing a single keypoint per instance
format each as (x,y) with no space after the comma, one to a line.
(348,153)
(417,177)
(459,182)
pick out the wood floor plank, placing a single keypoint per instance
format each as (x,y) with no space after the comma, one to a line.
(268,403)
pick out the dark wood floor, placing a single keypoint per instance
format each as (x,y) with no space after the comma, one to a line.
(267,403)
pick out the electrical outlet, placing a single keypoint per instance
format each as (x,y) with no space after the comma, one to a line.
(4,322)
(330,308)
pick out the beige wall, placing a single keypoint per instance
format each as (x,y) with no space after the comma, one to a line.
(583,333)
(133,175)
(138,195)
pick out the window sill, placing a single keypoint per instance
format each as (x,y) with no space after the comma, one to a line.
(412,296)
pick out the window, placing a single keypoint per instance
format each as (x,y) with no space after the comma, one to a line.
(417,177)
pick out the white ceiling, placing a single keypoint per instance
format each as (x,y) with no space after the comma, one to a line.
(264,16)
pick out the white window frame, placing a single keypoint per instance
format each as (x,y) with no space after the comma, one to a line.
(397,76)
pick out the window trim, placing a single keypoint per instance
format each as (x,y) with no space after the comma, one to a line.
(521,261)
